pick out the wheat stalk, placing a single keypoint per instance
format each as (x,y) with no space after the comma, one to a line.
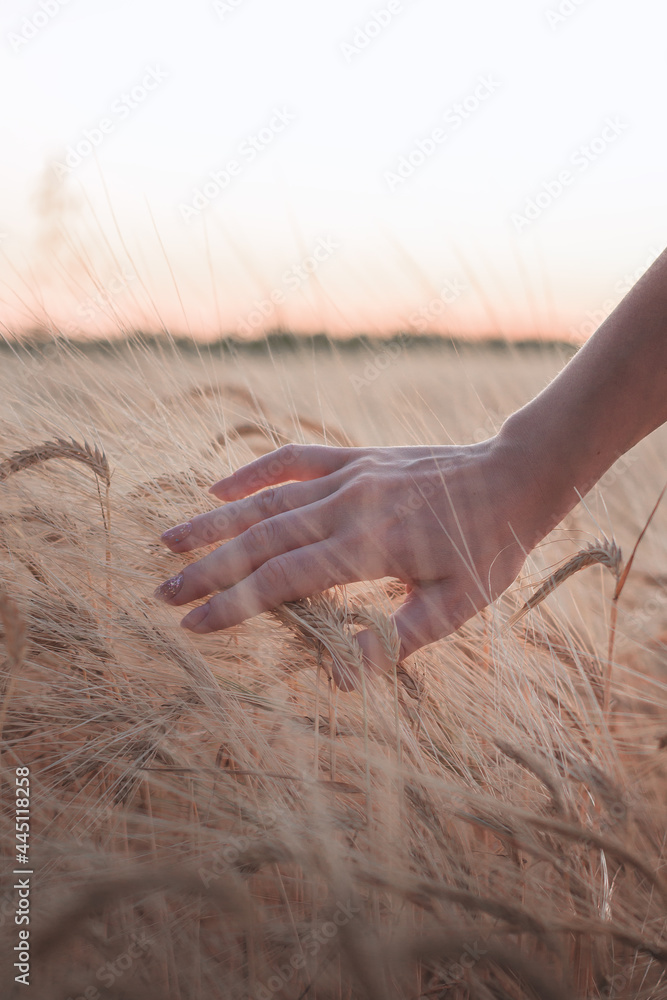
(604,553)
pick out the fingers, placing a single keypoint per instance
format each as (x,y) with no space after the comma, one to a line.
(232,562)
(286,577)
(234,518)
(292,461)
(430,612)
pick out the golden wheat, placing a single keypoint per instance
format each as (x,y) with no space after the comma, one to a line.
(604,553)
(486,814)
(70,450)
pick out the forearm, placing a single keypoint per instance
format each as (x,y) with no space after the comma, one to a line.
(610,396)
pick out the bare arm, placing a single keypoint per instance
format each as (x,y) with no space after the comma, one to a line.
(610,396)
(453,523)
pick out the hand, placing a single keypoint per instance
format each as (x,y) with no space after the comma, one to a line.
(454,524)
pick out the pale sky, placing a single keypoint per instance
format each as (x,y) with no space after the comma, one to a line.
(477,167)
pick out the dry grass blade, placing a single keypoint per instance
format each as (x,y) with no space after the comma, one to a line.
(58,448)
(228,894)
(448,946)
(536,767)
(620,583)
(15,633)
(603,553)
(15,629)
(268,430)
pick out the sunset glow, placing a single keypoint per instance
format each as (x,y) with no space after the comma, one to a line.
(232,167)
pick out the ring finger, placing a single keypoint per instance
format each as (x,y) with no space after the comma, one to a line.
(237,559)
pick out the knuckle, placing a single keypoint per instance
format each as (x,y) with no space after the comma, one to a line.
(261,536)
(288,452)
(267,501)
(284,456)
(362,485)
(274,578)
(215,524)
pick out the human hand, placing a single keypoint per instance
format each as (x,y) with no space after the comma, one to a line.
(454,524)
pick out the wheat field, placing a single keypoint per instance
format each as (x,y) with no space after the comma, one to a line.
(210,817)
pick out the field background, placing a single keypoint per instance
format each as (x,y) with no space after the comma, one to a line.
(209,817)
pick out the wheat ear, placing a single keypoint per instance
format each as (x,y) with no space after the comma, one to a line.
(58,448)
(71,450)
(320,623)
(316,622)
(384,628)
(605,553)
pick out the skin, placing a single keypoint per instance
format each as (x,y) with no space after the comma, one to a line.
(454,524)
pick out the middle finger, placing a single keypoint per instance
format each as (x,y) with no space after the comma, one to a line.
(231,519)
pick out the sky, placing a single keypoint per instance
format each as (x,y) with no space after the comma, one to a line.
(233,166)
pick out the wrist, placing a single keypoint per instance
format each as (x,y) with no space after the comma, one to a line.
(549,471)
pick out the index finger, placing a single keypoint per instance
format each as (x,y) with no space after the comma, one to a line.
(291,462)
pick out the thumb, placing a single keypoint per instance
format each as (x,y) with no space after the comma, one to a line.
(431,611)
(348,677)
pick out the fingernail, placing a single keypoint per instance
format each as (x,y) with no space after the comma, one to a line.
(177,534)
(196,617)
(169,588)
